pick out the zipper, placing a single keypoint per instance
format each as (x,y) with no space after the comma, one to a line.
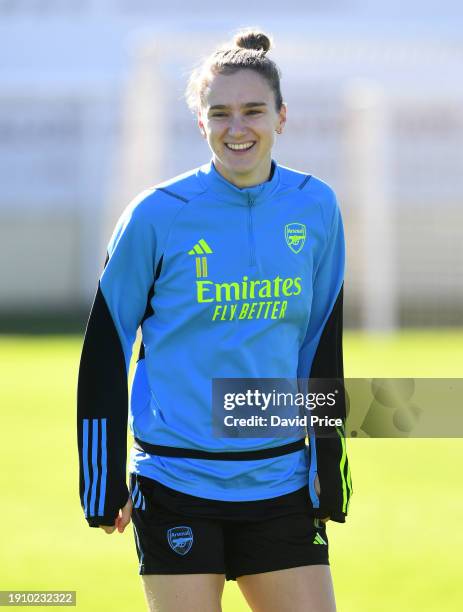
(252,249)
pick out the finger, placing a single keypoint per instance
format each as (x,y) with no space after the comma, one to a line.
(325,520)
(108,529)
(317,485)
(124,518)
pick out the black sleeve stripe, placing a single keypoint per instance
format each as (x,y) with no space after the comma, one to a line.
(149,309)
(332,463)
(102,392)
(102,372)
(328,360)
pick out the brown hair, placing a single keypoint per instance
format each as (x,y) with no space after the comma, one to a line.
(247,51)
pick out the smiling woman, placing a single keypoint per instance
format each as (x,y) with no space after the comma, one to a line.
(239,107)
(233,270)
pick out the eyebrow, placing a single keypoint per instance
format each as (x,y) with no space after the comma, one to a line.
(247,105)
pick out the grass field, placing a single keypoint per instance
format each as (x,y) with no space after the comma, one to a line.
(401,548)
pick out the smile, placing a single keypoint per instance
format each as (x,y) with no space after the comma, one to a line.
(240,147)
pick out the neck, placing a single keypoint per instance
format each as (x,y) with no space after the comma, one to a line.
(245,179)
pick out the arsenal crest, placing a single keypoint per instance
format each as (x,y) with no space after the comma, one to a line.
(295,234)
(180,539)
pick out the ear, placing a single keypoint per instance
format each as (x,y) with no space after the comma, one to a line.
(201,127)
(282,118)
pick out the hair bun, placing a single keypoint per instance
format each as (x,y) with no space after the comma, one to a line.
(253,40)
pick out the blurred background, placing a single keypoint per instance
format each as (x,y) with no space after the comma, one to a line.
(91,113)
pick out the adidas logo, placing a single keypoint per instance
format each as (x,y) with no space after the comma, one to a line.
(201,248)
(319,540)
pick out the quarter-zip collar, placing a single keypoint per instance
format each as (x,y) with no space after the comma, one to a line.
(210,177)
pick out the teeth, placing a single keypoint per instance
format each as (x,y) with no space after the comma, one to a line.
(239,147)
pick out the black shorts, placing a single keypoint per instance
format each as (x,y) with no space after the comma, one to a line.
(177,533)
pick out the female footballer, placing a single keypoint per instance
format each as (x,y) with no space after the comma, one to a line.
(233,270)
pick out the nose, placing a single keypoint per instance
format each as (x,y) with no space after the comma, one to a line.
(236,126)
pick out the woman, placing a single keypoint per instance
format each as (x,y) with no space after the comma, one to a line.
(233,270)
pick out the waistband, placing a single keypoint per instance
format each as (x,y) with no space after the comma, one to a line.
(191,453)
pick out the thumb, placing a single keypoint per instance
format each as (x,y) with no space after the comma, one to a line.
(124,517)
(317,484)
(325,520)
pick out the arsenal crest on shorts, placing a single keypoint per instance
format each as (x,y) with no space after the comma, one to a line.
(180,539)
(295,234)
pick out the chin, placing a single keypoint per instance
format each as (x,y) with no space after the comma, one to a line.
(242,165)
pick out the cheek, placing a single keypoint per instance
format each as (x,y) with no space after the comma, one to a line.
(266,129)
(214,138)
(213,131)
(267,136)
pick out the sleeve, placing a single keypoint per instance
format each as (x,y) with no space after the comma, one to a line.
(321,356)
(102,391)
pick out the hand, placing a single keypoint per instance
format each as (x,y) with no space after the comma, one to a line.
(318,491)
(122,520)
(325,520)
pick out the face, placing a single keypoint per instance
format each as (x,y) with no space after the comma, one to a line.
(239,120)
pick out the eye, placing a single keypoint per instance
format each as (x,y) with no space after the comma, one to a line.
(218,115)
(254,112)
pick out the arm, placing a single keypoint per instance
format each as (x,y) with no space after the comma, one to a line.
(321,357)
(102,394)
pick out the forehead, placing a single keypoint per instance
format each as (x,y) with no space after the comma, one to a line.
(239,88)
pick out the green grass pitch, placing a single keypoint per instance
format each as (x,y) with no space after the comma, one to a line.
(401,548)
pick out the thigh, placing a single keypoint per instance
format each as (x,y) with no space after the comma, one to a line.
(192,592)
(292,540)
(297,589)
(171,543)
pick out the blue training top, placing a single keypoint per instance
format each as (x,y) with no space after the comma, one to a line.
(225,283)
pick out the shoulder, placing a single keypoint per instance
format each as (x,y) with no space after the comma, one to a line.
(312,188)
(164,200)
(183,187)
(306,182)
